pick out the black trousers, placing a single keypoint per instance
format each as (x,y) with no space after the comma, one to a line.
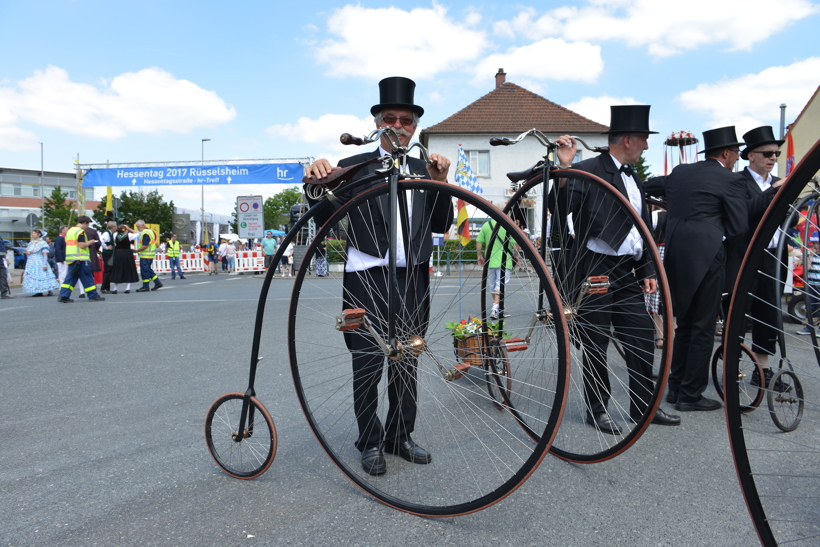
(368,290)
(695,335)
(624,308)
(106,282)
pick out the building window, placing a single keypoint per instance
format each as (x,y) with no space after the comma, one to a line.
(89,194)
(72,194)
(479,162)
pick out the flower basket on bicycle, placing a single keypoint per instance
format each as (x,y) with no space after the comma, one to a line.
(468,349)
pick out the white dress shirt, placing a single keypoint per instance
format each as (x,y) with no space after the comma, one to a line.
(632,245)
(358,261)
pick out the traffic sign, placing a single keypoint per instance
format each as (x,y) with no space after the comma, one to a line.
(250,216)
(32,220)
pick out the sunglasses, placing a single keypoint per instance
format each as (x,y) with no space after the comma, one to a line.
(406,121)
(768,153)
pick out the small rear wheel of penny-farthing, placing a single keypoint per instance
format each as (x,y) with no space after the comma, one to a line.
(479,452)
(750,395)
(244,454)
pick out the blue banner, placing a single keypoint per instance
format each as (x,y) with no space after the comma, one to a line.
(269,173)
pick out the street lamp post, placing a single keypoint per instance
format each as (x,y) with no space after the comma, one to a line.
(42,196)
(202,210)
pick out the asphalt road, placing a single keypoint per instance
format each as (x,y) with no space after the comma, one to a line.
(102,409)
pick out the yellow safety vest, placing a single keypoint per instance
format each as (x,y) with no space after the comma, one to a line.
(173,249)
(73,253)
(151,250)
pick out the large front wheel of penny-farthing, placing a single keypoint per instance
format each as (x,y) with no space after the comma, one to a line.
(618,359)
(435,390)
(776,461)
(244,454)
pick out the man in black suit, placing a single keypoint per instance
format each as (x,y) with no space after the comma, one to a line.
(761,151)
(366,284)
(607,243)
(705,203)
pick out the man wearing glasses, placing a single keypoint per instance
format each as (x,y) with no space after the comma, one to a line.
(706,202)
(365,279)
(762,150)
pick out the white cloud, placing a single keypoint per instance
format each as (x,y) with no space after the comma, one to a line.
(531,61)
(434,44)
(149,101)
(663,27)
(597,108)
(13,137)
(754,99)
(323,133)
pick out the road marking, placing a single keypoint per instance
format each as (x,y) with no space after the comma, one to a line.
(201,283)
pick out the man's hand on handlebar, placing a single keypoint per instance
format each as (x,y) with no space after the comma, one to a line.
(320,169)
(567,149)
(438,167)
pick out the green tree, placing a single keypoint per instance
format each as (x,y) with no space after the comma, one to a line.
(134,206)
(277,208)
(643,169)
(234,223)
(58,211)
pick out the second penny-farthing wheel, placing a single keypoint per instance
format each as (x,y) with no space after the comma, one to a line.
(581,289)
(778,463)
(480,454)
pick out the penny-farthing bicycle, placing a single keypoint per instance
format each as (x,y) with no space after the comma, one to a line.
(480,454)
(778,464)
(581,290)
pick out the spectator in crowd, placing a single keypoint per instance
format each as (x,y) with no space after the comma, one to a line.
(59,254)
(287,260)
(107,243)
(5,294)
(321,259)
(124,269)
(213,257)
(812,286)
(77,257)
(52,251)
(94,261)
(269,245)
(230,254)
(223,254)
(38,275)
(498,255)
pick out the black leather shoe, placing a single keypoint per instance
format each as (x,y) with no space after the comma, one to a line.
(158,285)
(373,461)
(98,299)
(142,289)
(105,292)
(82,296)
(671,396)
(64,300)
(701,404)
(603,423)
(411,452)
(182,277)
(113,292)
(662,418)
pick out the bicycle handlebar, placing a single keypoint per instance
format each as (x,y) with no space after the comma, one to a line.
(544,140)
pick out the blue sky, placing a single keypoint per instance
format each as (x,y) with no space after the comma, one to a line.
(147,81)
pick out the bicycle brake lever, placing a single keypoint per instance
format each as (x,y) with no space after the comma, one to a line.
(500,141)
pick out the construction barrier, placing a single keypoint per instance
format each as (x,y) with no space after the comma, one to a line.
(249,261)
(189,262)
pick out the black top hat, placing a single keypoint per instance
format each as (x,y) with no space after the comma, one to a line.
(396,92)
(631,118)
(722,137)
(758,137)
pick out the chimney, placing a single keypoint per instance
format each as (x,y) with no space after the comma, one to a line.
(500,78)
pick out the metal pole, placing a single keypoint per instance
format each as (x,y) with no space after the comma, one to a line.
(782,120)
(204,226)
(42,196)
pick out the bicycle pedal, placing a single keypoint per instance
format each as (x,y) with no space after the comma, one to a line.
(350,319)
(515,344)
(598,284)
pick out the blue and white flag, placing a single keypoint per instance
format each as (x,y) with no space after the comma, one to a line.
(464,175)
